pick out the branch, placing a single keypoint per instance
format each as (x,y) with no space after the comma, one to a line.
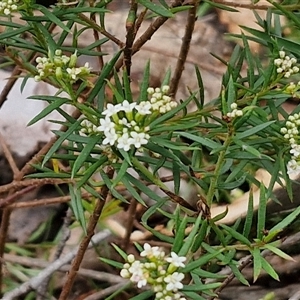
(105,292)
(9,157)
(149,32)
(185,47)
(130,36)
(30,182)
(85,242)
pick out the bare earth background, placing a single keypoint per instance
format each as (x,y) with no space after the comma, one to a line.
(162,50)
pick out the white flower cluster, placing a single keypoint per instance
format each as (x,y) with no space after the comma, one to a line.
(286,65)
(158,271)
(291,133)
(62,67)
(235,112)
(126,124)
(8,6)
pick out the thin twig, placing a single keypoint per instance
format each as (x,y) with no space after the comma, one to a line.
(105,292)
(35,282)
(185,47)
(3,234)
(130,36)
(140,20)
(37,263)
(41,202)
(12,197)
(9,157)
(146,36)
(96,36)
(32,182)
(153,27)
(129,226)
(9,85)
(84,243)
(100,29)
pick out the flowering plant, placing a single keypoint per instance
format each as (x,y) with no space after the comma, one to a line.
(158,152)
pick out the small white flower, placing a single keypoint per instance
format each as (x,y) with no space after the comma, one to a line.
(150,251)
(165,89)
(110,137)
(136,267)
(293,60)
(281,54)
(124,273)
(295,151)
(127,107)
(177,261)
(174,281)
(144,108)
(124,142)
(138,139)
(293,167)
(106,125)
(279,70)
(278,62)
(124,122)
(150,90)
(111,109)
(142,282)
(130,258)
(233,106)
(239,113)
(74,72)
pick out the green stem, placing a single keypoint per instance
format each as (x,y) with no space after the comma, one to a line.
(219,164)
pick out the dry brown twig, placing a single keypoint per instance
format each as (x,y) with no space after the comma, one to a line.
(87,238)
(185,47)
(130,36)
(148,33)
(9,157)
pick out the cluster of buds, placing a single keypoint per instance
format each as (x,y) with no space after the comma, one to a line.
(8,6)
(87,127)
(61,67)
(292,89)
(235,112)
(291,134)
(159,99)
(158,271)
(286,65)
(127,124)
